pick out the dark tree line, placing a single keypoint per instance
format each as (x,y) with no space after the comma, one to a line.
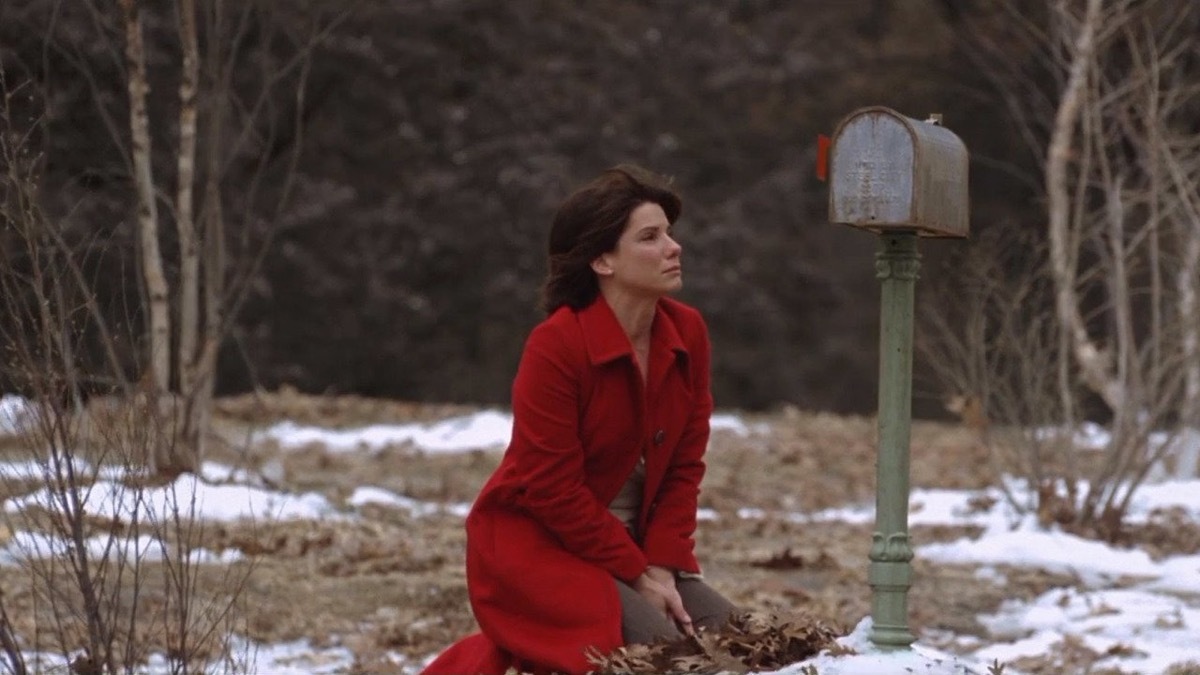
(435,138)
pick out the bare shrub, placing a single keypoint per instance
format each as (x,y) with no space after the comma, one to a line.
(105,546)
(997,358)
(13,658)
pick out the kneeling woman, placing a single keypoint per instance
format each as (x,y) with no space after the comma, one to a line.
(583,537)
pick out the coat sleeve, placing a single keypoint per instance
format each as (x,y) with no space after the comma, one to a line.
(669,538)
(548,458)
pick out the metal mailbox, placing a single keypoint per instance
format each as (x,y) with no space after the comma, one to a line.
(889,172)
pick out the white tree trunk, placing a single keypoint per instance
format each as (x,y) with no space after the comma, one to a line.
(189,250)
(195,404)
(213,242)
(1091,360)
(157,294)
(1188,461)
(1189,306)
(1182,170)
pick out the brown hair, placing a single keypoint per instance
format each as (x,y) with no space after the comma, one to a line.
(590,222)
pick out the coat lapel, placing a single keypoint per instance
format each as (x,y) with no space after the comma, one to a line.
(606,340)
(602,333)
(666,349)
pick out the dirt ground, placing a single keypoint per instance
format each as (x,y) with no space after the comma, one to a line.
(389,581)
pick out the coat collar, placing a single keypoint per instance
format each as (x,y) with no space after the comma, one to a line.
(607,341)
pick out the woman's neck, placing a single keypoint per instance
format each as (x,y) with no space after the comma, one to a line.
(635,314)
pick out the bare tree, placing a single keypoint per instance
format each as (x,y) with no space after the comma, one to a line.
(185,221)
(157,300)
(190,298)
(1113,91)
(1064,256)
(87,555)
(91,590)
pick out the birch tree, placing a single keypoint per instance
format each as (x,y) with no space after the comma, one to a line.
(158,340)
(187,364)
(211,83)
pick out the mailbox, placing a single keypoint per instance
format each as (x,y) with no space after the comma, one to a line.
(889,172)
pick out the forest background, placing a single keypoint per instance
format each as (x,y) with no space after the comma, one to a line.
(387,202)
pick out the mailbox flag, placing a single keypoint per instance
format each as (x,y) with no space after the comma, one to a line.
(822,156)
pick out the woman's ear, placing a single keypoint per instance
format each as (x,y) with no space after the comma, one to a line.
(601,266)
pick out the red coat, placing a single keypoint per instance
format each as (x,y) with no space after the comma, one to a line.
(542,546)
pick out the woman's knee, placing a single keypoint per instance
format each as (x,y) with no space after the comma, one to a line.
(641,622)
(708,608)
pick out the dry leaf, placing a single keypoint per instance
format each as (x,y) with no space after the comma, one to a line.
(748,641)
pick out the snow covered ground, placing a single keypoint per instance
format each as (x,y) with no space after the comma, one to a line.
(1123,597)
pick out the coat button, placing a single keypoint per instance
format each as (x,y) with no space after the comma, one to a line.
(659,436)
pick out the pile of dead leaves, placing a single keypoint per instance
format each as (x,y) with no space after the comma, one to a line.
(747,642)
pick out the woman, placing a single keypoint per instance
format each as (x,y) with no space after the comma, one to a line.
(581,541)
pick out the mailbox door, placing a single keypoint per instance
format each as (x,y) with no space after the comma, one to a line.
(872,172)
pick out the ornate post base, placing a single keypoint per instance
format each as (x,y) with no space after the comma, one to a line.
(890,577)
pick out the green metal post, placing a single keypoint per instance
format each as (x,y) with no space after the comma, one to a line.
(896,265)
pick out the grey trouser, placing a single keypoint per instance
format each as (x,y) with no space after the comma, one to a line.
(641,623)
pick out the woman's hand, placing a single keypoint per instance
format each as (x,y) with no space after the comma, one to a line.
(662,575)
(657,585)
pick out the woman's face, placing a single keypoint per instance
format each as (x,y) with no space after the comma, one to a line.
(647,260)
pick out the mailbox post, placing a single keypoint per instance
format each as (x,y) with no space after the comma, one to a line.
(901,179)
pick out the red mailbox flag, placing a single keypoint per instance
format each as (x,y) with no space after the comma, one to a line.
(822,156)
